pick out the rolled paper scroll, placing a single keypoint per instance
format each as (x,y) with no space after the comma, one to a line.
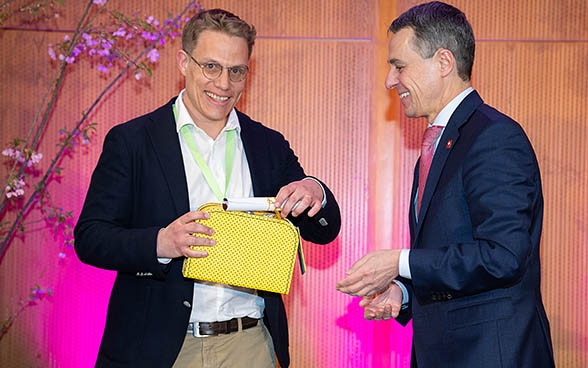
(250,204)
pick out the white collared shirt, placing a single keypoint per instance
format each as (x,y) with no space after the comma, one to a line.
(216,302)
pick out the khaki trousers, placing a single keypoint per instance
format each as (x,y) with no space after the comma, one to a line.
(248,348)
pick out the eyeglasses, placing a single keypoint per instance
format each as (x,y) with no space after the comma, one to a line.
(212,70)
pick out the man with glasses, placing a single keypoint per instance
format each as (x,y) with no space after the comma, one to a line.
(139,216)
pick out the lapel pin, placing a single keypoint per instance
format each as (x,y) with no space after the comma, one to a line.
(449,144)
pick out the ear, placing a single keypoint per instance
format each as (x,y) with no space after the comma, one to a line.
(182,61)
(446,62)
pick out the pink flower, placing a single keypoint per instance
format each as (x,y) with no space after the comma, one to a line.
(153,55)
(119,32)
(151,20)
(99,2)
(9,152)
(104,52)
(14,188)
(148,36)
(35,159)
(52,53)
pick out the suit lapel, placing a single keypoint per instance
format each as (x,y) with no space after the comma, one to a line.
(412,207)
(446,143)
(257,156)
(165,144)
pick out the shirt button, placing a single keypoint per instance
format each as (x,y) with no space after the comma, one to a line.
(187,304)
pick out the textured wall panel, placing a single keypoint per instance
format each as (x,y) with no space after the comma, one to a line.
(318,77)
(307,89)
(304,19)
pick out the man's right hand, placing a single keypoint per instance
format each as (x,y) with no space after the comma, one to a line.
(383,305)
(176,238)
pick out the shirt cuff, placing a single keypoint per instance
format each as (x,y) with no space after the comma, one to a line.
(404,293)
(403,264)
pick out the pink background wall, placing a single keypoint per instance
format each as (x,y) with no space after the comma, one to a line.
(318,76)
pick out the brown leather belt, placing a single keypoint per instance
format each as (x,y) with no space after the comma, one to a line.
(203,329)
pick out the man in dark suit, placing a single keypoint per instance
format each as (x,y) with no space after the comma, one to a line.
(139,214)
(471,278)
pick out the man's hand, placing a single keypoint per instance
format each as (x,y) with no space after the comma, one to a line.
(176,238)
(298,196)
(383,305)
(373,273)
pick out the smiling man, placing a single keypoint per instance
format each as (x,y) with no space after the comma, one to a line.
(471,280)
(139,216)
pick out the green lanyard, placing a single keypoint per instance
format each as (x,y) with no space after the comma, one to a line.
(229,155)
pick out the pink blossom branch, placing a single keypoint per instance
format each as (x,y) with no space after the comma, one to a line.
(75,132)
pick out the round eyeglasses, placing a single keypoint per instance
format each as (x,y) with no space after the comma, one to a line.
(212,71)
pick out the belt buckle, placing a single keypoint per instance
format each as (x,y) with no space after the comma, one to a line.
(196,330)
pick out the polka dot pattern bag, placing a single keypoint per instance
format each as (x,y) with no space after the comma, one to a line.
(253,250)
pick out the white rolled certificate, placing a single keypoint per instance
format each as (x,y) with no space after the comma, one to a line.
(250,204)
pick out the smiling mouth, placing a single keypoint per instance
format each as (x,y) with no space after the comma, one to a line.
(404,95)
(217,97)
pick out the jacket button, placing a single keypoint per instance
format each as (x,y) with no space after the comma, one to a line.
(187,304)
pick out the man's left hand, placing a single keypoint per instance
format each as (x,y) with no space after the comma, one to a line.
(373,273)
(298,196)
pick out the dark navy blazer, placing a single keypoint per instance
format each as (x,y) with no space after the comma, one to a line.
(476,296)
(138,187)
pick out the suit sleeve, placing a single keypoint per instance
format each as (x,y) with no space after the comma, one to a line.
(106,235)
(323,227)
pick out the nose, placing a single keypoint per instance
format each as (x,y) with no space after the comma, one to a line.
(391,79)
(223,81)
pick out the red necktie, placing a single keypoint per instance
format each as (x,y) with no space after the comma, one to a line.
(427,150)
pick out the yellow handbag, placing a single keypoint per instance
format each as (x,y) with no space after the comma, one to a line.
(254,250)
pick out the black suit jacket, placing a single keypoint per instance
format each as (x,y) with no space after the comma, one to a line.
(138,187)
(474,259)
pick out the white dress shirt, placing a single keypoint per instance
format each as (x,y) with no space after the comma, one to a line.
(217,302)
